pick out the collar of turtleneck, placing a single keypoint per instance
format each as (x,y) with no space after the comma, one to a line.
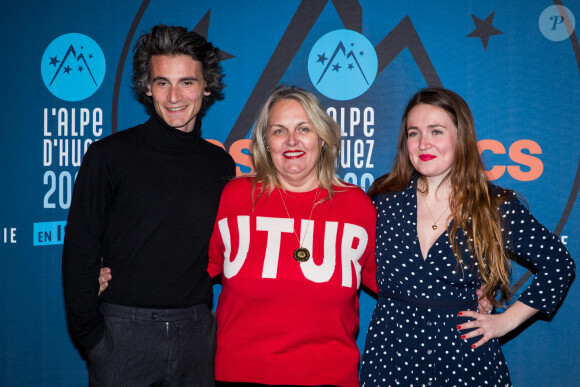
(165,137)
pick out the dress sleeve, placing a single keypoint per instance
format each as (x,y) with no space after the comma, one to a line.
(552,263)
(82,249)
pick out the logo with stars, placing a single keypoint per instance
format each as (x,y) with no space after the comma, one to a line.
(342,65)
(73,67)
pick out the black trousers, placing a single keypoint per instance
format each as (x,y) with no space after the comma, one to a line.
(154,347)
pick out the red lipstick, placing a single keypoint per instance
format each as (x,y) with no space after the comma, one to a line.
(427,157)
(293,154)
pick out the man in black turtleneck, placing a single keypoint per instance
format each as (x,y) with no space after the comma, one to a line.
(145,201)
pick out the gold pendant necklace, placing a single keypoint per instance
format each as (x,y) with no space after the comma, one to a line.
(434,227)
(301,254)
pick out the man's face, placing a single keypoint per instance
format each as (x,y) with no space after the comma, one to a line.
(177,87)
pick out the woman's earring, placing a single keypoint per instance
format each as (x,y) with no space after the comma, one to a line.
(268,148)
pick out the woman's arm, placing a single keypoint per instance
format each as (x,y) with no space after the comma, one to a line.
(526,237)
(490,326)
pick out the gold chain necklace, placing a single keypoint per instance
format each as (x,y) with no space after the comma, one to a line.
(301,254)
(434,227)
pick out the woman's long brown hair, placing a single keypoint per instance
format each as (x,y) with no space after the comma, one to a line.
(473,205)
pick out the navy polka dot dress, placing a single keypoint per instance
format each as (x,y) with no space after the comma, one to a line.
(413,338)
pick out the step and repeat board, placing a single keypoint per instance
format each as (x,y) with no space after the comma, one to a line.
(67,83)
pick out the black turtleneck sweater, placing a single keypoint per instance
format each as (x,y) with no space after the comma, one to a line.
(145,200)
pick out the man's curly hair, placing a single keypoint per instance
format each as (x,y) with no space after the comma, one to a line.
(173,41)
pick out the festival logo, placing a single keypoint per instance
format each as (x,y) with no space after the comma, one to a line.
(73,67)
(342,65)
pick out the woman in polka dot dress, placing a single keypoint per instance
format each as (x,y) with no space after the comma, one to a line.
(443,231)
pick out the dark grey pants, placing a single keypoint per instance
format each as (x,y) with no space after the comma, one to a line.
(154,347)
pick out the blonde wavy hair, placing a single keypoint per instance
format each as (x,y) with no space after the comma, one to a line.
(473,205)
(323,125)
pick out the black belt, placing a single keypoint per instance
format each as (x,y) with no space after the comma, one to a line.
(129,312)
(431,303)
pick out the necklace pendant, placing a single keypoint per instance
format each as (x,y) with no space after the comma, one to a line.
(434,227)
(301,254)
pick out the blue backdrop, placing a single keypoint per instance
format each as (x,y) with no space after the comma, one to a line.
(67,67)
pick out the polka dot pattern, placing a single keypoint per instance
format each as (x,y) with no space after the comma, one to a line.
(413,344)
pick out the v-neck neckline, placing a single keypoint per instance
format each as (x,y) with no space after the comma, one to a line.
(416,194)
(425,258)
(413,196)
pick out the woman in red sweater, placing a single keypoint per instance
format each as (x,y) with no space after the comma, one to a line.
(291,243)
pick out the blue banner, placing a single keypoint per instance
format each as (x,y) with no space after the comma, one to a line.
(67,74)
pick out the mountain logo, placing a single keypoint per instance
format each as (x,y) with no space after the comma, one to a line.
(73,67)
(342,65)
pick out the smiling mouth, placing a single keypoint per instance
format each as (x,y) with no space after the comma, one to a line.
(178,109)
(427,157)
(293,154)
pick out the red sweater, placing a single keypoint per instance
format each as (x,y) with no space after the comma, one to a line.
(281,321)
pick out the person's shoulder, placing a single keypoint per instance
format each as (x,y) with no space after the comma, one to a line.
(112,146)
(348,189)
(352,193)
(354,204)
(399,195)
(496,190)
(216,154)
(215,149)
(237,192)
(121,138)
(505,196)
(508,202)
(240,184)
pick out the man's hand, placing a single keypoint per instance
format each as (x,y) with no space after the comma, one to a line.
(104,279)
(483,304)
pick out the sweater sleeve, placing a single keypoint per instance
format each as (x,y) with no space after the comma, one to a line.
(552,263)
(82,250)
(369,275)
(369,271)
(216,252)
(216,242)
